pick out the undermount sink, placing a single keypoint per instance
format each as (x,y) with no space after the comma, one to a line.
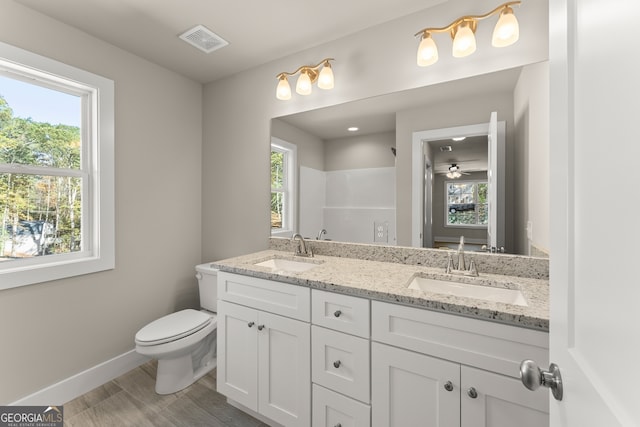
(288,265)
(476,291)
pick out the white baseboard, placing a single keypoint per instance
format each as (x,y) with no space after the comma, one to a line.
(83,382)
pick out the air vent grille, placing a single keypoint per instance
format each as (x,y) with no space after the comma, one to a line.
(203,38)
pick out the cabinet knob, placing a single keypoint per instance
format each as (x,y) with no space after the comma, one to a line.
(250,324)
(337,313)
(472,392)
(337,364)
(260,327)
(448,386)
(338,425)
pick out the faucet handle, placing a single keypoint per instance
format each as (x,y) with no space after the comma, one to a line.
(473,271)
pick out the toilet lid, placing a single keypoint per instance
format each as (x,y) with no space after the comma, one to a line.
(172,327)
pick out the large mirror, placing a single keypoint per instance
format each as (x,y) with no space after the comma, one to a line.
(364,185)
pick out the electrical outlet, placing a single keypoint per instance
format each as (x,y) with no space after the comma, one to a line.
(381,232)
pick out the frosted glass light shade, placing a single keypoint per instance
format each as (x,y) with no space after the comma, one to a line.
(427,51)
(325,79)
(507,30)
(464,43)
(283,91)
(303,85)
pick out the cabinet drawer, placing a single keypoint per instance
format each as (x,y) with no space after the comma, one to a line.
(340,362)
(342,313)
(486,345)
(331,409)
(266,295)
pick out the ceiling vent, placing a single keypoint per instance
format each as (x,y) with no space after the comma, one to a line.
(446,148)
(203,38)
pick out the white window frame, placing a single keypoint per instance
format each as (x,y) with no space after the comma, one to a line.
(446,203)
(97,170)
(290,165)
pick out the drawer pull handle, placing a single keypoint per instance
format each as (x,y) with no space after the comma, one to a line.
(472,393)
(337,313)
(260,327)
(250,324)
(337,364)
(448,386)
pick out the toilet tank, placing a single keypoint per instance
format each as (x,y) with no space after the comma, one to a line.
(208,286)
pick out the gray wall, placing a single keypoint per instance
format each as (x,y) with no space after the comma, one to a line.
(360,152)
(310,147)
(531,192)
(51,331)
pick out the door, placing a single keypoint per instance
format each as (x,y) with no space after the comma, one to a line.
(494,400)
(237,372)
(492,185)
(284,369)
(594,232)
(495,180)
(408,386)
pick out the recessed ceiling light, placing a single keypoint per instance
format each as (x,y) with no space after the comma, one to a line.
(459,138)
(353,129)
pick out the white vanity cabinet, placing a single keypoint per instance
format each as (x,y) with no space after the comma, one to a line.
(340,354)
(448,371)
(264,347)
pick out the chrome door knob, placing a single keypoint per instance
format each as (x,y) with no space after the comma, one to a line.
(250,324)
(472,393)
(533,377)
(260,327)
(448,386)
(337,313)
(337,364)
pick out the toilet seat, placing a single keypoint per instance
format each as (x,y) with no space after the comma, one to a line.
(172,327)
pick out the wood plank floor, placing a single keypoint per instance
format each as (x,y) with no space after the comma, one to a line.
(130,400)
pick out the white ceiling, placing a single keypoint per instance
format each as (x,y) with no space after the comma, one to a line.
(258,31)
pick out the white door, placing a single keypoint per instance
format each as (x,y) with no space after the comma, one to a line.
(284,370)
(237,371)
(407,386)
(595,235)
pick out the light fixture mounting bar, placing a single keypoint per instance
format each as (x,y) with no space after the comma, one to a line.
(311,70)
(470,19)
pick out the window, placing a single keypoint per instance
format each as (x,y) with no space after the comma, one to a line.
(283,185)
(56,170)
(466,203)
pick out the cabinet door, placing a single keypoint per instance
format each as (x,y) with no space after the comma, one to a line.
(408,389)
(331,409)
(501,401)
(237,375)
(284,370)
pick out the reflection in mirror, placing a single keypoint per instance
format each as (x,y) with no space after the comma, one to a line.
(358,185)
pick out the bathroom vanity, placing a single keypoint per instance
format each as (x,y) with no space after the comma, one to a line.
(335,341)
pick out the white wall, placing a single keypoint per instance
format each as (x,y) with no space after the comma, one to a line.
(360,151)
(51,331)
(238,109)
(531,115)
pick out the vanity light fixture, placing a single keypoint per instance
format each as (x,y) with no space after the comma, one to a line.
(309,74)
(462,31)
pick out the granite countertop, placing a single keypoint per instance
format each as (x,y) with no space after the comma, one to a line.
(388,281)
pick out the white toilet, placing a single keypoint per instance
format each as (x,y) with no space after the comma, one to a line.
(184,342)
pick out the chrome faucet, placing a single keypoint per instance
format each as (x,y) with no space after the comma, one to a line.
(461,267)
(320,233)
(302,246)
(461,264)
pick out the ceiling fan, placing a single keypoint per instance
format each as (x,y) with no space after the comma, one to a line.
(455,171)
